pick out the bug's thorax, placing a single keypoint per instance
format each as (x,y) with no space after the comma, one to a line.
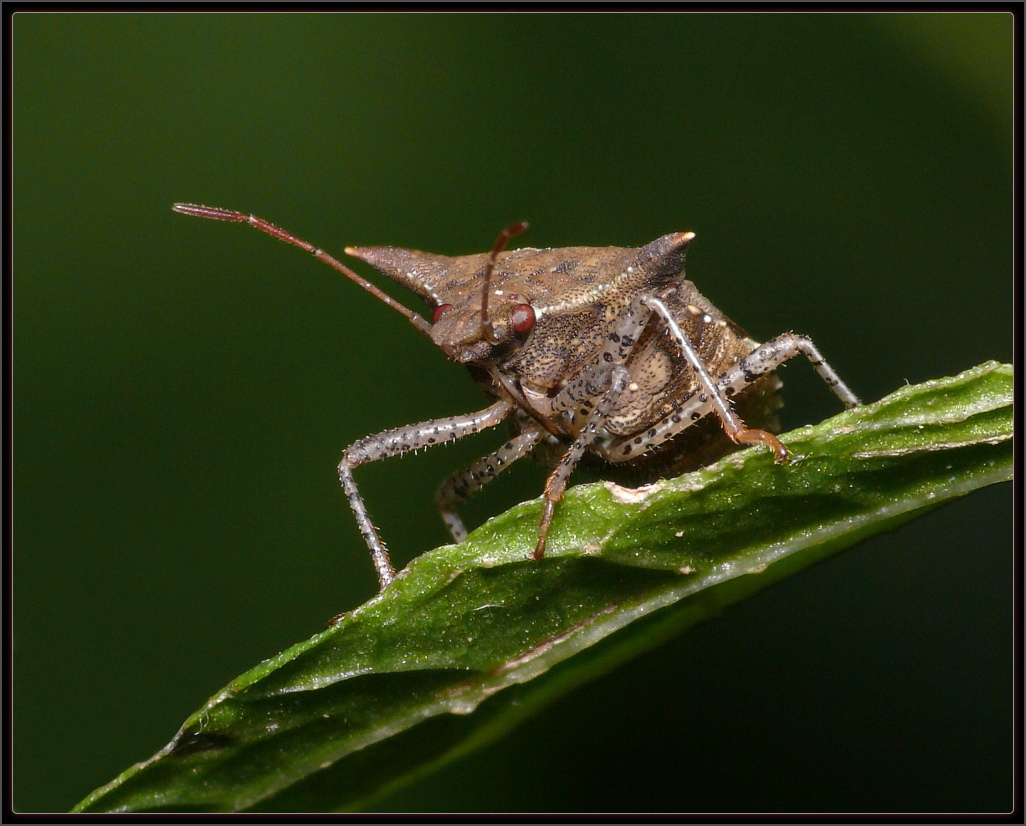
(572,295)
(550,313)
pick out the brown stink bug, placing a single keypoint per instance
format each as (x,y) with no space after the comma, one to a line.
(606,354)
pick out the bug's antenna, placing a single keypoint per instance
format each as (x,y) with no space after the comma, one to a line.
(218,214)
(501,241)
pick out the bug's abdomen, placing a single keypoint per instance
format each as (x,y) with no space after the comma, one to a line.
(699,444)
(662,380)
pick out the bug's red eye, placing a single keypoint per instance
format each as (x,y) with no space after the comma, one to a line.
(522,317)
(441,308)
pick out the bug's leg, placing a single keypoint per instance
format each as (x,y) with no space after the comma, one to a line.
(395,442)
(764,359)
(732,424)
(593,395)
(769,356)
(469,480)
(617,378)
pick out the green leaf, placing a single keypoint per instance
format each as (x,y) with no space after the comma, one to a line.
(387,694)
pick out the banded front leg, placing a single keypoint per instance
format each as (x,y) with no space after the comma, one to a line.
(615,380)
(396,442)
(592,397)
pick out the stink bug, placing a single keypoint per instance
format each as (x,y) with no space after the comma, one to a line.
(606,354)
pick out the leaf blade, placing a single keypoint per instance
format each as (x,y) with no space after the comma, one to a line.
(385,695)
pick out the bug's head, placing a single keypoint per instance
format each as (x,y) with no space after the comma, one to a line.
(471,322)
(464,336)
(481,333)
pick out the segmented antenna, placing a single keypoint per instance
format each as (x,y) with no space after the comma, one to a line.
(503,239)
(219,214)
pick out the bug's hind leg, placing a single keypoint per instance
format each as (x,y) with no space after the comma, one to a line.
(469,480)
(769,356)
(712,393)
(764,359)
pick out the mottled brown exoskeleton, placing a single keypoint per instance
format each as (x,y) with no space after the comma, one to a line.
(606,354)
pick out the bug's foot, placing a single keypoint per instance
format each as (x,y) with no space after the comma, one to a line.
(754,437)
(543,529)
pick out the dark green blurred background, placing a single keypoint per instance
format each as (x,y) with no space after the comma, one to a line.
(184,389)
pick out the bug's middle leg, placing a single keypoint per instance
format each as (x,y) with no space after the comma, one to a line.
(469,480)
